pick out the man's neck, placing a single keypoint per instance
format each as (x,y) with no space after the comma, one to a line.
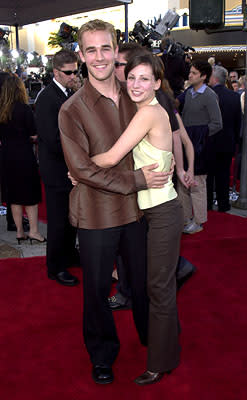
(59,84)
(107,88)
(196,87)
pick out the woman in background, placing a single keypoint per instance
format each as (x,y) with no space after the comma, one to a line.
(20,171)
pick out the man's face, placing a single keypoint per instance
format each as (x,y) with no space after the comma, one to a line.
(195,78)
(68,81)
(212,80)
(98,54)
(233,76)
(120,65)
(235,86)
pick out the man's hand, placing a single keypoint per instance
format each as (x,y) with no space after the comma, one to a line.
(73,181)
(156,179)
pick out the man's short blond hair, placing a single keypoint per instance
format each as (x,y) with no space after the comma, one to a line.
(97,25)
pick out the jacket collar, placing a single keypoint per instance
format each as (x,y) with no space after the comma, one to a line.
(58,90)
(91,95)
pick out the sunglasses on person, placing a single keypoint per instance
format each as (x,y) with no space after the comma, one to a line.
(69,72)
(120,64)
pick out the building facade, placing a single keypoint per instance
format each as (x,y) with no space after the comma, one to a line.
(228,46)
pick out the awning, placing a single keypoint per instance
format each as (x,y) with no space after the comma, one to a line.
(25,12)
(215,49)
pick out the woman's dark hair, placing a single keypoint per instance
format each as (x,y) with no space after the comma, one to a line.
(204,68)
(12,91)
(146,59)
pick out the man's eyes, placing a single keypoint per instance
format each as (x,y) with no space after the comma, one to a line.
(94,50)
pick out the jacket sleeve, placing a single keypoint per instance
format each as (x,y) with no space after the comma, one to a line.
(215,118)
(46,117)
(77,156)
(238,118)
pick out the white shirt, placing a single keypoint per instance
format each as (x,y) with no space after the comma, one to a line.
(61,87)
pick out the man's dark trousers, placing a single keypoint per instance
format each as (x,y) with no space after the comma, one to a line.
(98,251)
(219,173)
(61,236)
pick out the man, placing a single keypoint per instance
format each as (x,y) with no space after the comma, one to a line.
(103,204)
(233,76)
(176,68)
(242,83)
(61,236)
(223,143)
(202,118)
(235,86)
(122,298)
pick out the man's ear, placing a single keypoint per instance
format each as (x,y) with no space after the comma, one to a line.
(116,52)
(81,56)
(55,72)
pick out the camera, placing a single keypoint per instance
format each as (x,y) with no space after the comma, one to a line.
(144,35)
(173,49)
(4,34)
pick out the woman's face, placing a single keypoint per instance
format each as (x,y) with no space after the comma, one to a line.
(141,84)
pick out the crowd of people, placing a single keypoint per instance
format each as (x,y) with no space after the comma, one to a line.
(107,150)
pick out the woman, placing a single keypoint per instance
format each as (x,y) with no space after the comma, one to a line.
(149,135)
(20,171)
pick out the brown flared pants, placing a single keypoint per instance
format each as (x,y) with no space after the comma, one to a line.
(165,223)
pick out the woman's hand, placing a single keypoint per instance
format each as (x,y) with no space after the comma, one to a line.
(189,178)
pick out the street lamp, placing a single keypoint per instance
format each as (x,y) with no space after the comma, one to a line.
(242,200)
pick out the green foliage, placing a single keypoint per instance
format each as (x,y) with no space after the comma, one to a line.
(54,40)
(57,41)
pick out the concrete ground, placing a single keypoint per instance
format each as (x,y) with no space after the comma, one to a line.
(10,248)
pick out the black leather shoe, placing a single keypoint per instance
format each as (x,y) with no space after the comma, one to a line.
(184,271)
(148,378)
(119,302)
(184,279)
(64,278)
(102,374)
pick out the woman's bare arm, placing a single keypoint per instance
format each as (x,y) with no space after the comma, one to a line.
(189,151)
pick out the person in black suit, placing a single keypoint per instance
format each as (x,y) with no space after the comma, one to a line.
(61,236)
(222,145)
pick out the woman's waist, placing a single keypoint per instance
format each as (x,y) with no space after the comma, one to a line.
(152,197)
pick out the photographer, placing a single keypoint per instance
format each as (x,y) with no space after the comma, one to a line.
(176,66)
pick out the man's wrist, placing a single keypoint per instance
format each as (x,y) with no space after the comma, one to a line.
(140,180)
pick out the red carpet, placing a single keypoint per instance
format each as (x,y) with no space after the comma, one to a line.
(42,352)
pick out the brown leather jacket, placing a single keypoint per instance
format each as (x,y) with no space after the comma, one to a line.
(90,123)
